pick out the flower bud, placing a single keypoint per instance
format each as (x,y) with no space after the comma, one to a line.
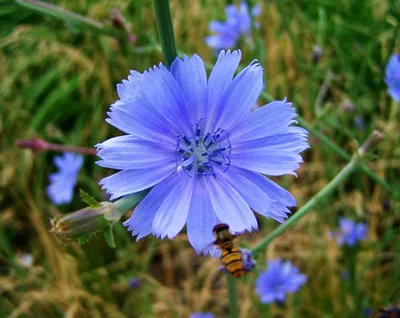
(83,222)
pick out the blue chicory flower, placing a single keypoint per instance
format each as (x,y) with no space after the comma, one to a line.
(279,279)
(350,232)
(392,78)
(62,183)
(201,315)
(196,142)
(238,23)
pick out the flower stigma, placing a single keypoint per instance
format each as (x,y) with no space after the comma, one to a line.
(201,152)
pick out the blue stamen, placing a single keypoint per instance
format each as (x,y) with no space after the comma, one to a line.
(200,154)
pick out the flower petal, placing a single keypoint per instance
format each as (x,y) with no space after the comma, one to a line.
(131,181)
(255,197)
(141,220)
(172,214)
(128,152)
(139,119)
(165,95)
(229,206)
(292,139)
(192,79)
(269,162)
(265,121)
(201,218)
(61,192)
(239,97)
(220,77)
(273,190)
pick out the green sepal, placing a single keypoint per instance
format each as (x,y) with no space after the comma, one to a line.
(108,234)
(84,239)
(89,200)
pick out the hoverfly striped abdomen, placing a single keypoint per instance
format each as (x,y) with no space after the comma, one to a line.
(231,256)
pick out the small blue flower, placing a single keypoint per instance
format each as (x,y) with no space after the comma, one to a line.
(248,261)
(350,232)
(135,282)
(62,183)
(197,143)
(238,23)
(201,315)
(392,78)
(279,279)
(359,121)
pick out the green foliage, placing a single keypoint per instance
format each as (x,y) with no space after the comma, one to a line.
(109,236)
(88,199)
(58,81)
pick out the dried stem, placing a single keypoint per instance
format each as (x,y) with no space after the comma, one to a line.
(42,145)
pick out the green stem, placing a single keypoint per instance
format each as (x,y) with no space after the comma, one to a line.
(351,257)
(339,151)
(340,178)
(126,203)
(165,30)
(78,20)
(232,294)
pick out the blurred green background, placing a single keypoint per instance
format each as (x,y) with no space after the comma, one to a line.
(57,82)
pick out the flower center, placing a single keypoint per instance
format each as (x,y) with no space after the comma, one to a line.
(202,152)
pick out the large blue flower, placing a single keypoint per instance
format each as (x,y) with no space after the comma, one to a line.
(62,185)
(279,279)
(392,78)
(197,144)
(238,23)
(350,232)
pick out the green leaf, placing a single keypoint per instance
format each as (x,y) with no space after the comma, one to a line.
(108,234)
(89,200)
(84,239)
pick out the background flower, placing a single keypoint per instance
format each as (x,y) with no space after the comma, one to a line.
(350,232)
(238,23)
(62,185)
(279,279)
(201,315)
(392,78)
(197,142)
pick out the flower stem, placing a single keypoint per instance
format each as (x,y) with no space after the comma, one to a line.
(70,17)
(232,294)
(341,177)
(165,30)
(339,151)
(42,145)
(128,202)
(371,141)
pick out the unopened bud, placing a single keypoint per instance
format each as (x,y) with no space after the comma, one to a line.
(375,138)
(83,222)
(117,18)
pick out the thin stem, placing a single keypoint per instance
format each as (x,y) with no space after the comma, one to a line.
(232,294)
(165,30)
(339,151)
(69,17)
(41,145)
(331,186)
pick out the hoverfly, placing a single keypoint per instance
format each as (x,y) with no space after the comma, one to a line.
(231,256)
